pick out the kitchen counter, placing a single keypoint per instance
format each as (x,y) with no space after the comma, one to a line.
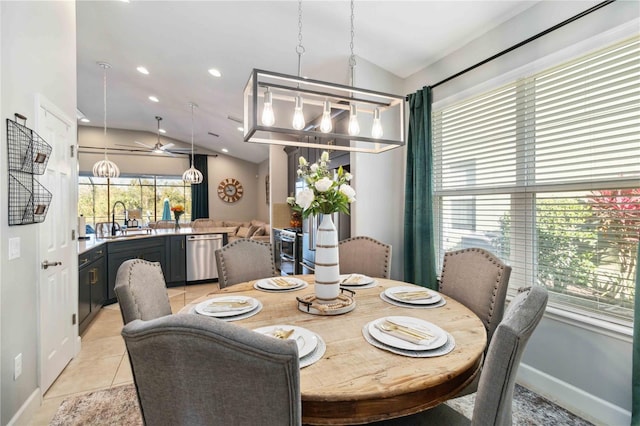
(93,242)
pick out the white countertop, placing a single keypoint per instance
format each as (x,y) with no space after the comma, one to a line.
(93,242)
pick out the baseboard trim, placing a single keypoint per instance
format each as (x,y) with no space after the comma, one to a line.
(28,410)
(571,398)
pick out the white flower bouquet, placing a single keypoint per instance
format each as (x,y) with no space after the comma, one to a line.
(325,193)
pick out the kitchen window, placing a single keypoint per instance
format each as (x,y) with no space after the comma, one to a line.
(551,179)
(144,193)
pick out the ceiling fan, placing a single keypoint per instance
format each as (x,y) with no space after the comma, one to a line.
(158,148)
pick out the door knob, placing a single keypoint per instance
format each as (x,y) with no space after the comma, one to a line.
(46,264)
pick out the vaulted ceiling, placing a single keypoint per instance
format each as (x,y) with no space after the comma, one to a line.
(179,41)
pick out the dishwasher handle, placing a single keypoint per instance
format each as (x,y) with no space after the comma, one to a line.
(204,237)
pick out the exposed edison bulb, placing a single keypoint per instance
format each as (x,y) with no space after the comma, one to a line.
(298,117)
(325,123)
(376,129)
(268,118)
(354,126)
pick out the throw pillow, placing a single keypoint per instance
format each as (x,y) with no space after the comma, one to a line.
(252,231)
(242,232)
(259,232)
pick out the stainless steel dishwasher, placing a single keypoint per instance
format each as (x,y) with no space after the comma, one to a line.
(201,260)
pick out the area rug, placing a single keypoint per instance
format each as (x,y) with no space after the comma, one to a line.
(115,406)
(119,406)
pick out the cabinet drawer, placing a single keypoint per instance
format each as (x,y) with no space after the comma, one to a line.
(89,256)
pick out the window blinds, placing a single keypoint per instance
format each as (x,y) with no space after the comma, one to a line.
(545,173)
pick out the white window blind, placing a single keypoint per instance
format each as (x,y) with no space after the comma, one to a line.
(545,173)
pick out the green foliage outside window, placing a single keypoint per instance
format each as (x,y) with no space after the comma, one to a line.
(147,194)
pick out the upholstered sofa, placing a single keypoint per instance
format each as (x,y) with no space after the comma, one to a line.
(254,229)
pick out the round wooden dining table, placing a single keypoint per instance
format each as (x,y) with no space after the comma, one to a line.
(355,382)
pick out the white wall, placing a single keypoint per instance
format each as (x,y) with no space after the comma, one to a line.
(586,368)
(262,202)
(38,55)
(379,179)
(246,208)
(278,172)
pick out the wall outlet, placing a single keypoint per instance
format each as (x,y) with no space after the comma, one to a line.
(17,367)
(14,248)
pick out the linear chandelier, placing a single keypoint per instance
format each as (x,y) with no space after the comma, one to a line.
(281,109)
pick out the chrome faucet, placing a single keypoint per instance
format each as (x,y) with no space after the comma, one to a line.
(113,217)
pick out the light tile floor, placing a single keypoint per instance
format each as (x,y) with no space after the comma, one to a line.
(102,362)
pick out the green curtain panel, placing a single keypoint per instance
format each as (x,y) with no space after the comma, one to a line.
(419,249)
(635,384)
(200,192)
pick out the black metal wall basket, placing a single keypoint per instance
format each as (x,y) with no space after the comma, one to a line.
(28,156)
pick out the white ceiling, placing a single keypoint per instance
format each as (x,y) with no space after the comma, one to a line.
(178,41)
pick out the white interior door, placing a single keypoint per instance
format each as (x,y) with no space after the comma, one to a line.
(59,283)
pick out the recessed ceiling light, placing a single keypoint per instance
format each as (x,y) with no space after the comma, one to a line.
(240,129)
(214,72)
(143,70)
(154,99)
(162,130)
(225,150)
(84,120)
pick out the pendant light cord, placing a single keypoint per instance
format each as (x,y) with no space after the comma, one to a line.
(104,104)
(300,48)
(352,58)
(192,106)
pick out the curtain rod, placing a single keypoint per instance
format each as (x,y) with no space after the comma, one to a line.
(522,43)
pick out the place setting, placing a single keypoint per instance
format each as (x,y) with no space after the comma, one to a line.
(229,308)
(280,284)
(408,336)
(412,297)
(357,281)
(311,347)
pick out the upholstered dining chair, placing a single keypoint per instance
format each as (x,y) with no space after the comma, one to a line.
(141,290)
(244,260)
(364,255)
(477,279)
(195,370)
(495,390)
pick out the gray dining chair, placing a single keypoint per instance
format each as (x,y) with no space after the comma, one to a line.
(141,291)
(195,370)
(479,280)
(495,390)
(244,260)
(364,255)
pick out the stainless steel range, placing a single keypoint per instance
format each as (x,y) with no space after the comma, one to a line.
(288,250)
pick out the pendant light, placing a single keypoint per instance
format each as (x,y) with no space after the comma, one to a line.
(357,112)
(105,168)
(192,175)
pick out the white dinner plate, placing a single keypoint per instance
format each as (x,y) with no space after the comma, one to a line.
(270,284)
(355,279)
(305,339)
(201,307)
(392,293)
(439,339)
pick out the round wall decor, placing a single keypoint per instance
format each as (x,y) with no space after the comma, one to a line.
(230,190)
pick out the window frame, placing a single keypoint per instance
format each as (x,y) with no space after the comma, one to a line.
(523,192)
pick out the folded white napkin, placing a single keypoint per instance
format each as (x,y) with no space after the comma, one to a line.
(282,283)
(226,306)
(405,332)
(354,279)
(414,295)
